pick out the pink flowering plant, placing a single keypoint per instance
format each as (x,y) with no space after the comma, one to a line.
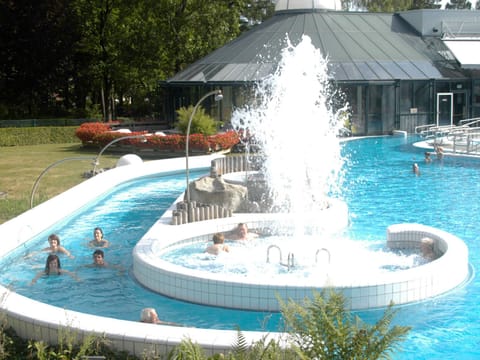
(100,134)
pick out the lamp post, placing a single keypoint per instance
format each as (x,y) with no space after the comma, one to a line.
(35,185)
(96,161)
(218,97)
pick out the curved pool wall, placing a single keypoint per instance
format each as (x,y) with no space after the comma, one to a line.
(448,271)
(39,321)
(206,288)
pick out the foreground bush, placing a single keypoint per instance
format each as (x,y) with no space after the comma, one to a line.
(322,328)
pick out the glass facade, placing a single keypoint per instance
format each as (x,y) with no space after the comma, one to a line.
(374,108)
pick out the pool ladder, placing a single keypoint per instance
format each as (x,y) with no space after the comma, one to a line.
(290,259)
(320,250)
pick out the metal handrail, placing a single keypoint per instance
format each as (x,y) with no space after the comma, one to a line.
(328,253)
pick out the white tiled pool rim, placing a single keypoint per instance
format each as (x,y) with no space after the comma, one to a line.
(247,293)
(39,321)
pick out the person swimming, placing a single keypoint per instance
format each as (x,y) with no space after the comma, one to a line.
(218,245)
(52,267)
(55,247)
(98,239)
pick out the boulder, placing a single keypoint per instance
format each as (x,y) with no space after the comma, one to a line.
(215,191)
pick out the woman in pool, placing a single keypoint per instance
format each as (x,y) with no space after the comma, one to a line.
(55,247)
(52,267)
(98,240)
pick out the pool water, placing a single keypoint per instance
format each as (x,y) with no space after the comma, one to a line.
(379,188)
(248,258)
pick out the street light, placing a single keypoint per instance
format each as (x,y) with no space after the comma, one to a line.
(35,185)
(96,161)
(218,97)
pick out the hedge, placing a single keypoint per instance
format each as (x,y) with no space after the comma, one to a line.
(37,135)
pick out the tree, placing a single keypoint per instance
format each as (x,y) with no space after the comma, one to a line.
(426,4)
(384,5)
(63,57)
(36,46)
(255,12)
(458,4)
(396,5)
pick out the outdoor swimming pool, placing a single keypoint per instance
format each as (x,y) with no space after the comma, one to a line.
(380,189)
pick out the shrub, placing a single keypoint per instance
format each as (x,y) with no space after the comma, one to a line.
(100,134)
(201,122)
(37,135)
(88,131)
(223,141)
(105,137)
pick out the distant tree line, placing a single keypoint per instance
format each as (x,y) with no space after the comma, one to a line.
(85,58)
(403,5)
(104,58)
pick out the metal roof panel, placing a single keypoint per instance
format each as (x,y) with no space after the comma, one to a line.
(359,46)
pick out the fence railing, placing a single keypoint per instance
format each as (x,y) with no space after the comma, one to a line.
(43,122)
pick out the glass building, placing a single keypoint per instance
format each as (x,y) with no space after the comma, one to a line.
(397,70)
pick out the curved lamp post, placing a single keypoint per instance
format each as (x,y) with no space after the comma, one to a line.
(218,97)
(96,161)
(35,185)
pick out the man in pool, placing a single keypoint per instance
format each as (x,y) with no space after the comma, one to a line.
(99,258)
(426,247)
(241,233)
(149,315)
(99,261)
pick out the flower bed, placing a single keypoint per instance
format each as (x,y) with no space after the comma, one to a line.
(100,134)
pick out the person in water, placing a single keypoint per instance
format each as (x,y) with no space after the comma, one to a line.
(98,240)
(149,315)
(99,261)
(53,267)
(241,233)
(427,249)
(416,169)
(428,158)
(218,245)
(55,247)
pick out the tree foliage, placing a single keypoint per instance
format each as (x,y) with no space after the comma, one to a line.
(394,5)
(104,57)
(201,123)
(458,4)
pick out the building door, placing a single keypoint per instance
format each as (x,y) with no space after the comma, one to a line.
(444,109)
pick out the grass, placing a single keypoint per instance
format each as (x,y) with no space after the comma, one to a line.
(21,166)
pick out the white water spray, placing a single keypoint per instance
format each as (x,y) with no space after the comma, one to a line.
(296,128)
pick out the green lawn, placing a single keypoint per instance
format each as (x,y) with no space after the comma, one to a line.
(21,166)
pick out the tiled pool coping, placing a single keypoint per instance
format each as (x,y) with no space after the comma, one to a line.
(34,320)
(247,293)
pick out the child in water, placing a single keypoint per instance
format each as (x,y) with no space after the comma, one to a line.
(218,245)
